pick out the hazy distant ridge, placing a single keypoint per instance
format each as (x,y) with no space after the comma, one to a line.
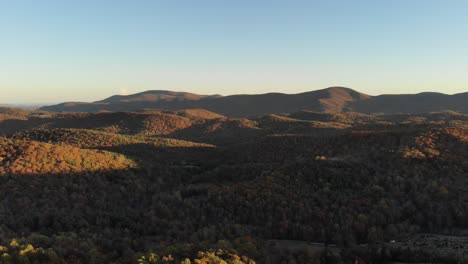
(333,99)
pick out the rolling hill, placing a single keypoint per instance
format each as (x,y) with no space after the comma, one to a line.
(24,157)
(90,139)
(329,100)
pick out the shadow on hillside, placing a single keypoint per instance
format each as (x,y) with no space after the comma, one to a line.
(231,134)
(112,207)
(218,132)
(107,206)
(149,154)
(10,126)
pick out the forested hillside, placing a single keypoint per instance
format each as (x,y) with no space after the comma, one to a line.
(193,186)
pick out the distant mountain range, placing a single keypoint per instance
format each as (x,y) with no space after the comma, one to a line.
(330,100)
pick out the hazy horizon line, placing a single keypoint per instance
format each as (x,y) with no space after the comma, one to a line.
(40,104)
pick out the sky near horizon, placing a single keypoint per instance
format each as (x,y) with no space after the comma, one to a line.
(85,50)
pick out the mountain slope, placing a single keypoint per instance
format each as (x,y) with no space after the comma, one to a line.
(329,100)
(335,99)
(157,95)
(18,157)
(413,103)
(90,139)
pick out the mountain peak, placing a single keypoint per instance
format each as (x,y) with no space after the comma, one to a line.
(155,95)
(340,99)
(345,90)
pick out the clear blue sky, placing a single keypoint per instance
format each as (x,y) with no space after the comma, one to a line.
(83,50)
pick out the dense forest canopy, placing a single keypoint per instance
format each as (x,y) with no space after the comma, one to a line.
(193,186)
